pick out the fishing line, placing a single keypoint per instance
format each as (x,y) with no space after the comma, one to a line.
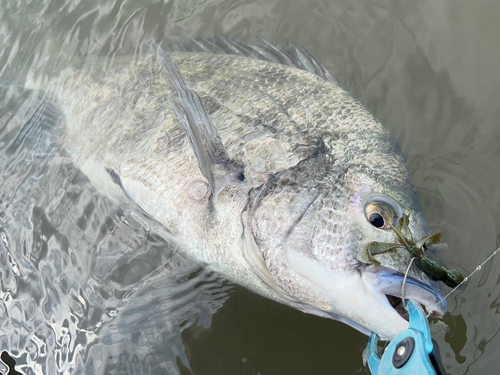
(404,282)
(463,281)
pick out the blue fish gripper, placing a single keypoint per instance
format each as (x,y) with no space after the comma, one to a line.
(410,352)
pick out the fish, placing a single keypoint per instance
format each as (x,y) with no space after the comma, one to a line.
(261,167)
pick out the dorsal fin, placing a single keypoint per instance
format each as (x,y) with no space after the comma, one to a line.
(290,55)
(194,119)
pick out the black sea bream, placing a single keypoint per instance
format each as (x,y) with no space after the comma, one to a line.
(261,166)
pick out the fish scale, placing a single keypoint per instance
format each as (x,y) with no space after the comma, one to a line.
(283,212)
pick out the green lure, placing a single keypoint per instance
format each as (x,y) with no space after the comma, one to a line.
(431,266)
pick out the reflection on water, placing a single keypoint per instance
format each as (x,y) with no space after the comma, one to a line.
(86,285)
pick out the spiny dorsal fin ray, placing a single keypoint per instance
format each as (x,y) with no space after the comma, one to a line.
(194,119)
(290,55)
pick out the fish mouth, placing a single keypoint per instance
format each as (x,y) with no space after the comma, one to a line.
(397,304)
(368,298)
(428,296)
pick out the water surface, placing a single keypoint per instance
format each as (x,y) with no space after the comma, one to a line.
(83,279)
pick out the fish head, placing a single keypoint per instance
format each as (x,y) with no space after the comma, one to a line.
(312,222)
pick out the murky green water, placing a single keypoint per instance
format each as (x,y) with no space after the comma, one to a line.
(69,259)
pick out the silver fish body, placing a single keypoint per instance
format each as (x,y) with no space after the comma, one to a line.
(312,163)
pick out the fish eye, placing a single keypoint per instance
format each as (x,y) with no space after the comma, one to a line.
(382,211)
(377,220)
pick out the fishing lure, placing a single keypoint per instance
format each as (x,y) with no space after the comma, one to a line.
(431,266)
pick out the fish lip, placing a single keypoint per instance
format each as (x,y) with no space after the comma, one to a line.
(429,297)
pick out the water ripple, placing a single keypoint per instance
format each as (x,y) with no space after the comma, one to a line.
(87,285)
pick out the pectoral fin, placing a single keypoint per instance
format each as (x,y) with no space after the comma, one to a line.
(194,119)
